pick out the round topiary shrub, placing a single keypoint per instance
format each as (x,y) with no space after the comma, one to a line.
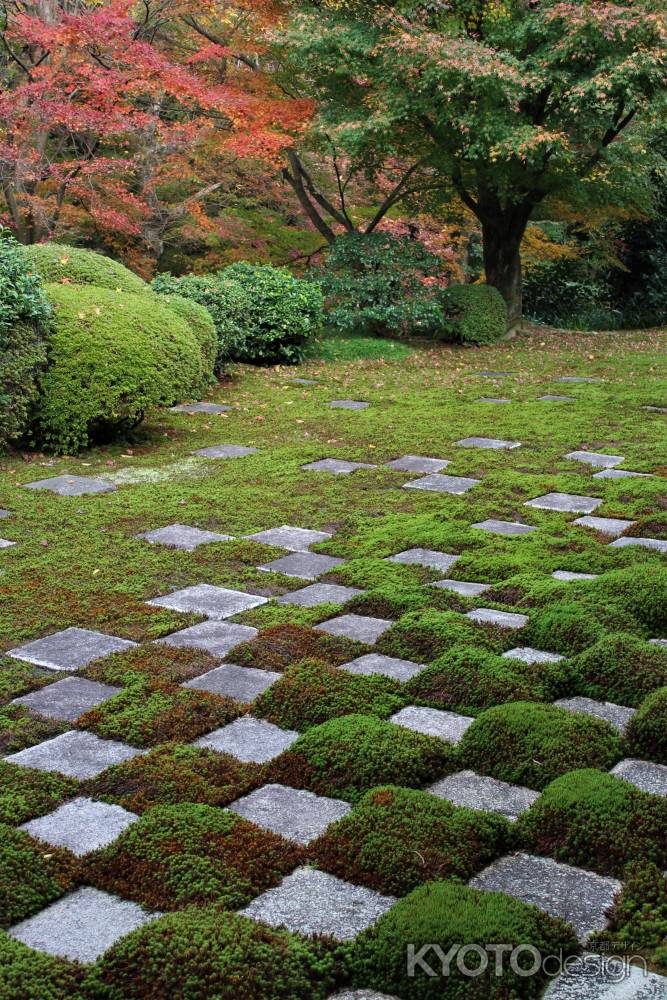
(447,914)
(473,314)
(201,325)
(112,357)
(55,262)
(532,744)
(620,668)
(647,733)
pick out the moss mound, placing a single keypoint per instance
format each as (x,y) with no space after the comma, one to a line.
(646,735)
(620,668)
(26,973)
(30,879)
(55,262)
(424,635)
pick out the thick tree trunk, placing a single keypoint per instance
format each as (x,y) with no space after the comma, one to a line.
(502,263)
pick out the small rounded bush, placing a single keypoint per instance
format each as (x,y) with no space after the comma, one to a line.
(647,733)
(347,756)
(620,668)
(112,357)
(473,314)
(568,627)
(55,262)
(447,914)
(597,821)
(532,744)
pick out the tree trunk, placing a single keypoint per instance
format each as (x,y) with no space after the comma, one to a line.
(502,263)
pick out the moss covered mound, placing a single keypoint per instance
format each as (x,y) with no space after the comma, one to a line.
(56,262)
(620,668)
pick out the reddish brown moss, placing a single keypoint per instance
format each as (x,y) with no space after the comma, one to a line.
(279,646)
(171,664)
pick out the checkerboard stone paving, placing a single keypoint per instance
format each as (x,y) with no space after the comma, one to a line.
(349,404)
(580,897)
(295,814)
(529,655)
(68,698)
(82,925)
(320,593)
(312,902)
(645,775)
(231,681)
(496,527)
(303,565)
(418,463)
(596,459)
(287,537)
(613,526)
(491,444)
(225,451)
(81,825)
(617,715)
(201,407)
(388,666)
(336,466)
(657,544)
(448,726)
(213,602)
(182,536)
(425,557)
(565,503)
(75,754)
(358,627)
(216,638)
(502,619)
(70,649)
(71,486)
(462,587)
(437,483)
(477,791)
(253,741)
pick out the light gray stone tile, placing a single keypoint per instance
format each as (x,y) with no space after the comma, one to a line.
(225,451)
(389,666)
(644,774)
(81,826)
(655,409)
(436,483)
(576,378)
(182,536)
(497,527)
(658,544)
(336,466)
(361,995)
(216,638)
(418,463)
(596,459)
(202,407)
(604,977)
(425,557)
(249,740)
(70,649)
(303,565)
(477,791)
(448,726)
(214,602)
(618,715)
(566,576)
(75,754)
(462,587)
(4,513)
(621,474)
(304,381)
(491,444)
(493,399)
(71,486)
(613,526)
(659,642)
(67,699)
(293,813)
(495,374)
(6,544)
(320,593)
(551,398)
(349,404)
(358,627)
(565,503)
(529,655)
(293,539)
(503,619)
(231,681)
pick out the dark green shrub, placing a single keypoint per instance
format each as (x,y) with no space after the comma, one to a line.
(55,262)
(639,915)
(29,878)
(25,317)
(531,744)
(199,320)
(424,635)
(447,914)
(473,314)
(26,974)
(647,733)
(345,757)
(596,821)
(396,838)
(620,668)
(568,627)
(205,953)
(25,793)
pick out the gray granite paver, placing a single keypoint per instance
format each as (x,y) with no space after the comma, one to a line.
(567,503)
(70,649)
(646,775)
(436,483)
(418,463)
(349,404)
(576,378)
(477,791)
(312,902)
(81,825)
(621,474)
(657,544)
(389,666)
(320,593)
(493,399)
(71,486)
(425,557)
(449,726)
(75,754)
(503,619)
(67,699)
(578,896)
(359,627)
(182,536)
(82,925)
(529,655)
(303,565)
(225,451)
(4,513)
(361,995)
(618,715)
(336,466)
(217,638)
(552,398)
(202,407)
(497,527)
(304,381)
(596,459)
(249,740)
(659,642)
(231,681)
(462,587)
(213,602)
(287,537)
(613,526)
(495,374)
(567,576)
(6,544)
(604,977)
(293,813)
(492,444)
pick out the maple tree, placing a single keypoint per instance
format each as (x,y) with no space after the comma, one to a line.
(503,104)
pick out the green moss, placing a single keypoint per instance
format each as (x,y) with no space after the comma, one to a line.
(26,973)
(647,733)
(424,635)
(19,728)
(30,879)
(531,744)
(620,668)
(279,646)
(55,262)
(158,662)
(25,793)
(643,595)
(18,678)
(568,627)
(639,916)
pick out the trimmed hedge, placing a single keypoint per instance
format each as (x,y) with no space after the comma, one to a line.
(56,262)
(201,325)
(473,314)
(620,668)
(646,735)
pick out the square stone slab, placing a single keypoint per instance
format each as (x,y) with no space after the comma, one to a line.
(336,466)
(214,602)
(425,557)
(71,486)
(320,593)
(447,726)
(492,444)
(361,995)
(580,897)
(4,513)
(659,642)
(595,458)
(304,381)
(82,925)
(225,451)
(358,627)
(252,741)
(566,503)
(566,575)
(231,681)
(312,902)
(71,649)
(293,813)
(6,544)
(476,791)
(605,977)
(303,565)
(492,399)
(655,409)
(348,404)
(182,536)
(576,378)
(495,374)
(645,775)
(462,587)
(418,463)
(458,485)
(497,527)
(503,619)
(529,655)
(388,666)
(67,699)
(613,526)
(81,826)
(621,474)
(618,715)
(659,544)
(293,539)
(75,754)
(550,398)
(200,408)
(217,638)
